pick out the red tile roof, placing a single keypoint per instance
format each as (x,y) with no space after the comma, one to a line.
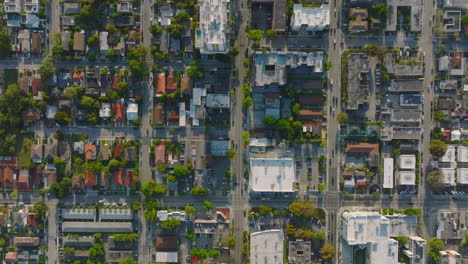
(115,82)
(32,220)
(8,175)
(173,117)
(160,153)
(310,114)
(90,178)
(159,114)
(10,257)
(77,77)
(119,112)
(457,59)
(117,150)
(90,152)
(161,84)
(118,177)
(129,178)
(362,148)
(225,212)
(37,86)
(171,84)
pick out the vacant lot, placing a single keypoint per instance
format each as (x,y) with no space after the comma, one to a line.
(24,151)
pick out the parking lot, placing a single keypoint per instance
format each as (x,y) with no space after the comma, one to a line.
(263,14)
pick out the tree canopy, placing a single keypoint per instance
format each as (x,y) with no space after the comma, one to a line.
(5,45)
(435,245)
(301,208)
(195,71)
(328,252)
(437,148)
(170,223)
(255,35)
(199,191)
(47,68)
(435,179)
(342,118)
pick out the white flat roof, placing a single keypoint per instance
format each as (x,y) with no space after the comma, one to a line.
(182,114)
(388,173)
(449,155)
(217,100)
(272,174)
(259,142)
(267,247)
(449,175)
(462,153)
(166,257)
(79,214)
(364,227)
(314,18)
(212,35)
(462,175)
(115,214)
(407,177)
(407,162)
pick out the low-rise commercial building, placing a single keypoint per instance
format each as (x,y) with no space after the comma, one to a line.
(267,247)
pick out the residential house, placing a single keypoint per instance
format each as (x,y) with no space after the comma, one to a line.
(36,42)
(26,241)
(132,111)
(104,152)
(90,178)
(68,21)
(103,43)
(78,43)
(117,175)
(161,84)
(90,152)
(70,8)
(117,151)
(171,83)
(78,147)
(124,7)
(119,112)
(130,153)
(129,178)
(160,153)
(105,110)
(305,114)
(37,153)
(50,150)
(23,180)
(31,114)
(24,40)
(76,183)
(158,117)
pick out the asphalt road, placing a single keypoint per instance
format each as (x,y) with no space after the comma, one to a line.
(145,129)
(426,46)
(239,200)
(52,235)
(331,196)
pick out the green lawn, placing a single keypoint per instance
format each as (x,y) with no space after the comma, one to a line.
(11,76)
(24,151)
